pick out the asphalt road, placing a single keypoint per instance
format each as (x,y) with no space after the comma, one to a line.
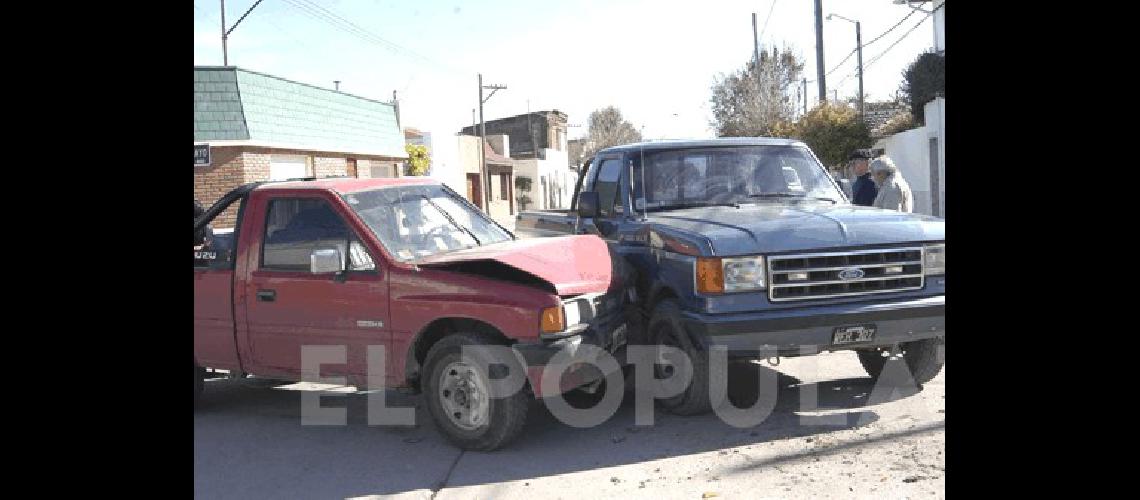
(879,442)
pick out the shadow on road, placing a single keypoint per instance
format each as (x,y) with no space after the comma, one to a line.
(249,441)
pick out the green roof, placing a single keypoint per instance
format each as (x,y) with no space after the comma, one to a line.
(233,104)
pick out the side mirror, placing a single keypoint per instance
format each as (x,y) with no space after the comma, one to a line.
(204,235)
(325,261)
(588,202)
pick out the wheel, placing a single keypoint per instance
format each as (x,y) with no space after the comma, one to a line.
(458,397)
(199,382)
(665,328)
(922,358)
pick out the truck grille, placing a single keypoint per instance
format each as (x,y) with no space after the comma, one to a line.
(842,274)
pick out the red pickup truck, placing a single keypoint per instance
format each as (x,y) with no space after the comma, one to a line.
(410,265)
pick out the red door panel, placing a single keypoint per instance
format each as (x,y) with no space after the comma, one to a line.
(214,344)
(311,309)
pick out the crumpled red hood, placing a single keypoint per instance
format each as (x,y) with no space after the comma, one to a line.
(572,264)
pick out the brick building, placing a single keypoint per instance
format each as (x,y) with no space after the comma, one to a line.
(260,127)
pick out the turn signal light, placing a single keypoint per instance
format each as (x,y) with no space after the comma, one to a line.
(710,275)
(553,321)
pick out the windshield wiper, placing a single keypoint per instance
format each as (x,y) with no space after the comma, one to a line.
(451,220)
(790,195)
(674,206)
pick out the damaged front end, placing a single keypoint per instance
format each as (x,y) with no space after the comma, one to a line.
(595,288)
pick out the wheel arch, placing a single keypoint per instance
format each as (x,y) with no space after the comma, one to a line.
(435,331)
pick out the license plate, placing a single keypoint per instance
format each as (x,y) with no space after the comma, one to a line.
(852,334)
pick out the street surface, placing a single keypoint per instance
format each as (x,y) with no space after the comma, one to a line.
(889,443)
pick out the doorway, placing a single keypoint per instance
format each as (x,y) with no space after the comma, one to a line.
(474,190)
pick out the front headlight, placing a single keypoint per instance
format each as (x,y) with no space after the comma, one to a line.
(935,258)
(730,274)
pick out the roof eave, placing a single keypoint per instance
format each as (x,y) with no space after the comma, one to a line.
(300,147)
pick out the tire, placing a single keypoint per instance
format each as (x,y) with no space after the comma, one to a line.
(498,422)
(665,328)
(923,358)
(199,382)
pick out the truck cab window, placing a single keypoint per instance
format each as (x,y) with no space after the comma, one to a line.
(295,227)
(609,178)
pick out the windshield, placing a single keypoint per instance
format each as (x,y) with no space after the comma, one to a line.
(738,174)
(417,221)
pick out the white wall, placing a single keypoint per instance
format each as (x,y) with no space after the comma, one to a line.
(559,179)
(446,166)
(910,150)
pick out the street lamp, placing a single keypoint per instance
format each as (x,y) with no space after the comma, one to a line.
(859,49)
(915,7)
(226,32)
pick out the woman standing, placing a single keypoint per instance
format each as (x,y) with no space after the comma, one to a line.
(894,192)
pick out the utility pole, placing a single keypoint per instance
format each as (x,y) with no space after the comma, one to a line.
(226,32)
(805,94)
(859,49)
(337,85)
(484,178)
(822,79)
(225,51)
(756,52)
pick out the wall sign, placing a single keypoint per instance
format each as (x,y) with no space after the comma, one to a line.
(201,155)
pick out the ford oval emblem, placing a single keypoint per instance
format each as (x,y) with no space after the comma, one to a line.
(851,273)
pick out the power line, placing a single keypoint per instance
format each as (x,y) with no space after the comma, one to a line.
(320,13)
(881,35)
(766,19)
(881,54)
(892,28)
(361,29)
(841,62)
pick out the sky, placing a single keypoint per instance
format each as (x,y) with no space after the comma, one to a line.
(653,60)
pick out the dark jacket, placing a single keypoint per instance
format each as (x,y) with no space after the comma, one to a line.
(864,190)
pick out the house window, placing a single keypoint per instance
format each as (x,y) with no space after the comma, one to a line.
(504,181)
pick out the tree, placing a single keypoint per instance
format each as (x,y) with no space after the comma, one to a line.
(419,163)
(607,128)
(900,122)
(755,102)
(923,80)
(833,131)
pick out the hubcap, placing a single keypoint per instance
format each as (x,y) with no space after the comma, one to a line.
(463,395)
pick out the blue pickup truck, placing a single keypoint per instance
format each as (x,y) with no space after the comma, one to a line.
(748,243)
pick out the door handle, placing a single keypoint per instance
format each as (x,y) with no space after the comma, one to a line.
(267,295)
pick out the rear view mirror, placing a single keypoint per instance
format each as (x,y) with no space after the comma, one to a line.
(326,261)
(588,204)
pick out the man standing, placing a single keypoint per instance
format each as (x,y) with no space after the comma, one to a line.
(863,191)
(894,192)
